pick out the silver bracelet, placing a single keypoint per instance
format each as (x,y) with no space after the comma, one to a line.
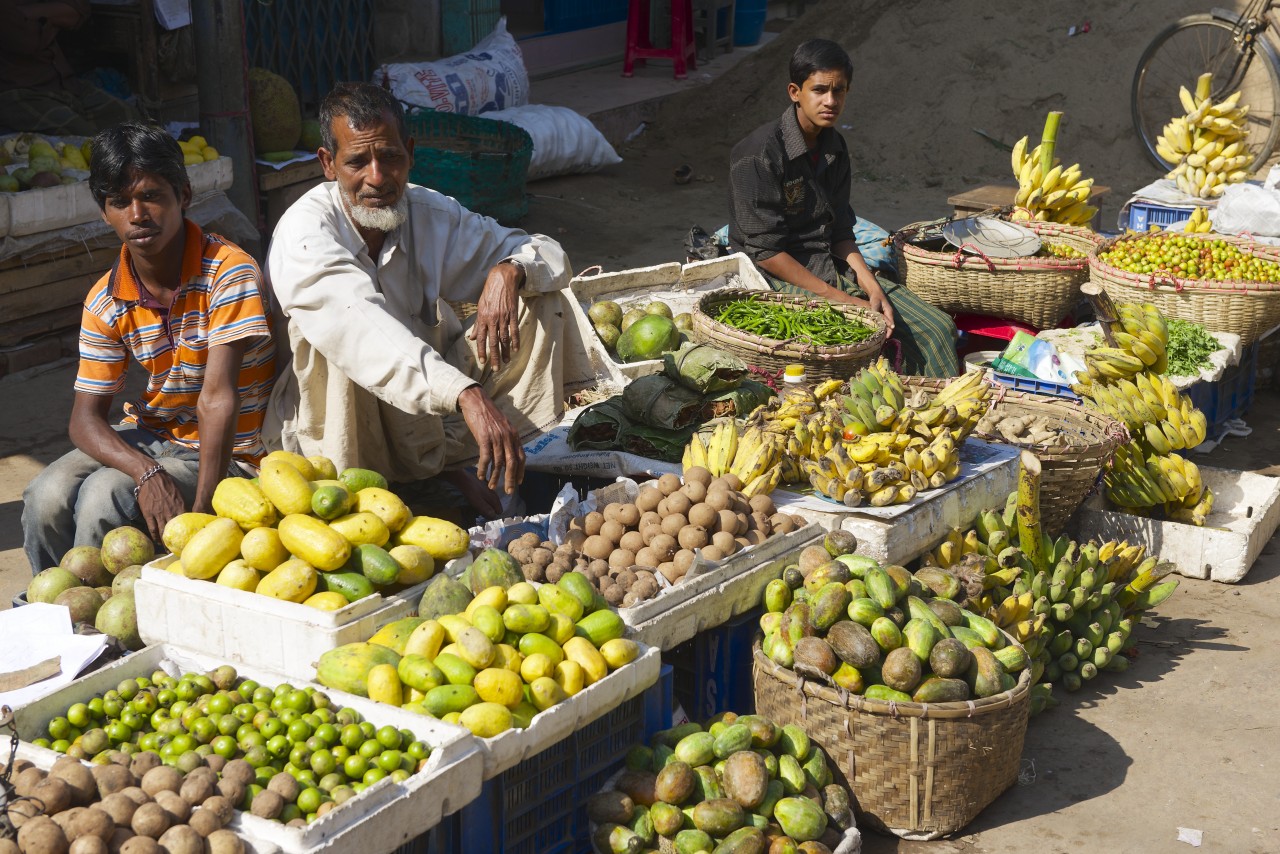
(146,476)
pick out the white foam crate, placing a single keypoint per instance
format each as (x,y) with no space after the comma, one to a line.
(243,627)
(50,208)
(898,535)
(1246,512)
(679,286)
(733,586)
(379,819)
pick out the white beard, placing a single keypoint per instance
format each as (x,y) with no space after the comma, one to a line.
(378,219)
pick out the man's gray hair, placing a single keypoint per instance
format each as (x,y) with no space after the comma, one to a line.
(363,105)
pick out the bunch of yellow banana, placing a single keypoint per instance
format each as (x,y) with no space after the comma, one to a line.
(951,550)
(1207,145)
(752,454)
(1199,221)
(1146,472)
(1060,194)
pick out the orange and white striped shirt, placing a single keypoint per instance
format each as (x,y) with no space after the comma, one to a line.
(220,300)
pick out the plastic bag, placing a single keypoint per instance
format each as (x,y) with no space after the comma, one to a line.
(564,142)
(1248,209)
(490,76)
(704,368)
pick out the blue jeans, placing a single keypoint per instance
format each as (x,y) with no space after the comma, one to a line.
(77,500)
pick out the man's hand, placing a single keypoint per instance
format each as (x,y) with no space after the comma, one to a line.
(496,330)
(158,502)
(879,303)
(499,444)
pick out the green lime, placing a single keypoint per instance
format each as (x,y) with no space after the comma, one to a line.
(418,750)
(220,703)
(252,738)
(355,766)
(59,727)
(228,724)
(390,737)
(368,729)
(340,753)
(300,756)
(322,762)
(95,708)
(389,760)
(78,715)
(351,737)
(371,748)
(223,745)
(400,775)
(331,781)
(372,776)
(299,731)
(279,746)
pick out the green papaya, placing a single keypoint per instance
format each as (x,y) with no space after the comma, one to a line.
(920,636)
(696,749)
(777,596)
(828,605)
(880,587)
(858,565)
(886,634)
(918,609)
(984,673)
(794,742)
(864,612)
(886,694)
(937,689)
(734,737)
(800,818)
(347,667)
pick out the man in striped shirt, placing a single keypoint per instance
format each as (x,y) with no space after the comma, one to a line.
(189,307)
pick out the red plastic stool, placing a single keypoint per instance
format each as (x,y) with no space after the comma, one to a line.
(683,51)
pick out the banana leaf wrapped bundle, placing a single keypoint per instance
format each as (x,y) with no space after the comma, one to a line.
(600,426)
(704,368)
(659,401)
(736,402)
(656,443)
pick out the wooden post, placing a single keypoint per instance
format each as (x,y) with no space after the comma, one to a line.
(222,76)
(1104,308)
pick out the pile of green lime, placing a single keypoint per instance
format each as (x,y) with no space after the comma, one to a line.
(209,719)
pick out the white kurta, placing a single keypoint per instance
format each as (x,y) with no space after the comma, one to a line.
(376,355)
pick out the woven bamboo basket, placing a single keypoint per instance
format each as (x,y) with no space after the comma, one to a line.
(1247,309)
(1069,470)
(839,362)
(921,771)
(1036,291)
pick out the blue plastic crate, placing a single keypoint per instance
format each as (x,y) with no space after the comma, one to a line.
(539,806)
(1143,215)
(1035,386)
(1229,396)
(713,669)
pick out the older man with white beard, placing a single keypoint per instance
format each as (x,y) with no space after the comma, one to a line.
(370,274)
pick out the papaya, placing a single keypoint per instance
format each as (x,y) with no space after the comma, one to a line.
(303,465)
(719,817)
(442,539)
(833,572)
(984,673)
(639,786)
(546,692)
(667,819)
(693,841)
(495,685)
(555,599)
(828,605)
(986,629)
(886,694)
(967,636)
(395,635)
(443,596)
(858,564)
(455,669)
(918,610)
(619,652)
(938,689)
(675,783)
(865,611)
(586,656)
(347,667)
(853,644)
(920,636)
(211,548)
(816,770)
(901,670)
(950,658)
(315,542)
(939,582)
(745,778)
(708,786)
(791,774)
(857,588)
(949,612)
(489,622)
(849,678)
(794,742)
(696,749)
(773,793)
(610,806)
(1014,658)
(800,818)
(535,643)
(416,566)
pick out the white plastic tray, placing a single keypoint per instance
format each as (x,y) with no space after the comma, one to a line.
(383,817)
(238,626)
(1246,512)
(678,286)
(50,208)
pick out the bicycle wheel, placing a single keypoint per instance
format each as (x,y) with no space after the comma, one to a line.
(1181,53)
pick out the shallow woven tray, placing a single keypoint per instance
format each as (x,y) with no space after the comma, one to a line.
(840,362)
(1068,472)
(1247,309)
(1035,291)
(916,770)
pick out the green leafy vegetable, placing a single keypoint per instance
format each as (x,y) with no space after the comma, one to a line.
(822,326)
(1189,348)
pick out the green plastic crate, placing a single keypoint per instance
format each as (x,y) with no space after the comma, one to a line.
(480,162)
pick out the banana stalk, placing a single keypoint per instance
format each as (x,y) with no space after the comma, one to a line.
(1028,512)
(1049,141)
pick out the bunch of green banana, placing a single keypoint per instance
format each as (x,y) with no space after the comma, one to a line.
(877,403)
(1073,615)
(1207,145)
(1060,194)
(750,453)
(1146,472)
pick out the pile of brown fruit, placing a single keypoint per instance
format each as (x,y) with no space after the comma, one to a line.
(623,547)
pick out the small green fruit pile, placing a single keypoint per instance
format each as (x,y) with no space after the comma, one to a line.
(742,784)
(1189,258)
(330,754)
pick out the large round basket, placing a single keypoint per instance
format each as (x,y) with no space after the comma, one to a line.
(480,162)
(1247,309)
(1069,468)
(1036,291)
(915,770)
(839,362)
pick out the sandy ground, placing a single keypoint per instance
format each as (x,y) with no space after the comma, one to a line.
(1183,739)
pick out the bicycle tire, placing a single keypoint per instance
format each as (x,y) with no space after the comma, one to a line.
(1153,103)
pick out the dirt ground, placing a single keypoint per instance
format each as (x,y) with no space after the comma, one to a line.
(1183,739)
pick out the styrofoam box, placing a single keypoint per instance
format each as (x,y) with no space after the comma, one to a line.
(731,587)
(678,286)
(50,208)
(238,626)
(902,538)
(1246,512)
(381,818)
(512,747)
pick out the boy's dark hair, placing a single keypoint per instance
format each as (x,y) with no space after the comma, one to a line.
(363,105)
(819,55)
(120,153)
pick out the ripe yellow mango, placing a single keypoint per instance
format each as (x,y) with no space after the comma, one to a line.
(416,566)
(495,685)
(425,640)
(384,685)
(292,581)
(240,575)
(361,528)
(262,549)
(384,504)
(327,601)
(588,658)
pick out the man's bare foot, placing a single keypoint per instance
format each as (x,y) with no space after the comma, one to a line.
(482,499)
